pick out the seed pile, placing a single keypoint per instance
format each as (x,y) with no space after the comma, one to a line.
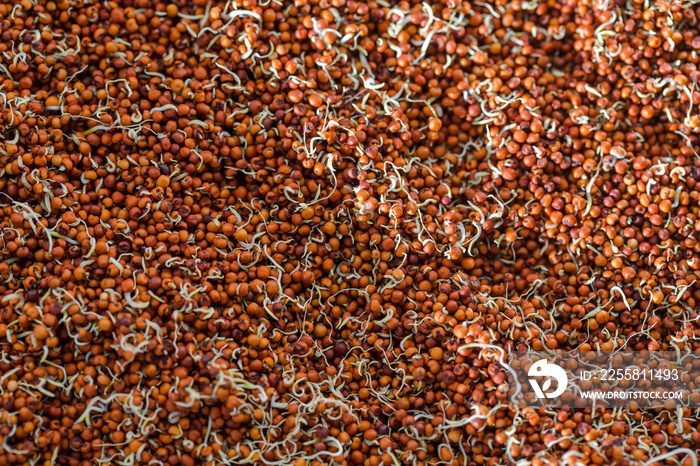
(306,233)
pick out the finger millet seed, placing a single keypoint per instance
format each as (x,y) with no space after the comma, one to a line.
(283,232)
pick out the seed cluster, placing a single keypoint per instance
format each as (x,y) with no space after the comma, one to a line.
(309,232)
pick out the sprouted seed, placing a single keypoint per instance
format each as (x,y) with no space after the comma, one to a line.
(310,233)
